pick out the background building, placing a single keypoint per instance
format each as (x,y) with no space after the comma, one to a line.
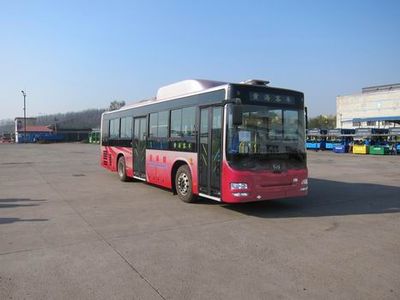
(33,132)
(51,133)
(375,107)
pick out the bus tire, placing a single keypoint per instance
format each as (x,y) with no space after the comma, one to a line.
(183,184)
(121,168)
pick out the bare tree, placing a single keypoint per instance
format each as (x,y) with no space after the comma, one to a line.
(114,105)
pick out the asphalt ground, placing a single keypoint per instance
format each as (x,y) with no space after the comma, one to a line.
(70,230)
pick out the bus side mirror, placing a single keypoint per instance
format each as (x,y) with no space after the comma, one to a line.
(236,115)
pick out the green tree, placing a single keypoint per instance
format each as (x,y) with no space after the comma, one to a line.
(323,122)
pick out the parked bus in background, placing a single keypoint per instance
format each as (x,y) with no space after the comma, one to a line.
(371,141)
(222,141)
(316,139)
(394,140)
(94,136)
(338,140)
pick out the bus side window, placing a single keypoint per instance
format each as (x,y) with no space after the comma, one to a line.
(188,121)
(153,125)
(114,128)
(183,129)
(105,129)
(126,128)
(158,137)
(162,129)
(176,123)
(162,126)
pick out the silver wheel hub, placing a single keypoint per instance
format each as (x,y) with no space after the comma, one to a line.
(121,169)
(183,184)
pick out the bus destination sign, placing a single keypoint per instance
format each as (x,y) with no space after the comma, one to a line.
(271,98)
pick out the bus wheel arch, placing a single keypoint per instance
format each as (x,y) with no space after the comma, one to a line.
(182,182)
(121,167)
(175,167)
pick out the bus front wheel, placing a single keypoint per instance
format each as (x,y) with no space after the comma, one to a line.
(122,169)
(183,184)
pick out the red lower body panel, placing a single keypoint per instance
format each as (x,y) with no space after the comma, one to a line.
(109,158)
(159,165)
(262,185)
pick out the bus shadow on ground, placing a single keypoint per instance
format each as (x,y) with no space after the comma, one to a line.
(19,202)
(328,198)
(14,220)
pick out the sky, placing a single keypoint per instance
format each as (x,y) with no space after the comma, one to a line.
(75,55)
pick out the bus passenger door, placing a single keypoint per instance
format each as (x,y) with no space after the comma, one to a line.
(210,152)
(139,147)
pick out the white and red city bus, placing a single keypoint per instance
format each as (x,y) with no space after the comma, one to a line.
(230,142)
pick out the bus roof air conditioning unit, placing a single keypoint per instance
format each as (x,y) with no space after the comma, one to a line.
(186,87)
(256,82)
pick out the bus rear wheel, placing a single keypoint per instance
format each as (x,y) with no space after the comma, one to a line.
(183,184)
(122,169)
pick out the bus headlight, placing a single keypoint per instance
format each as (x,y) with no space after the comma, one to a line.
(238,186)
(304,185)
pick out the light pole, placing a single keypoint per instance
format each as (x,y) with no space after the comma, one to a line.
(341,124)
(24,94)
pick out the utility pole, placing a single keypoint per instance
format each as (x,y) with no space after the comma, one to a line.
(24,94)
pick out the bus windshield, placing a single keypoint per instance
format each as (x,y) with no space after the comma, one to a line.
(266,135)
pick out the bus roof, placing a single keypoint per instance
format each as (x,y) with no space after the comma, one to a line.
(177,90)
(188,88)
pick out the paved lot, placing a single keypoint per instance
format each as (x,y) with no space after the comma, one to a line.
(70,230)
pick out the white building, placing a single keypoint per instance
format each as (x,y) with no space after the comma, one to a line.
(374,107)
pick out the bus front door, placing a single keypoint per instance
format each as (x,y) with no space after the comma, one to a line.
(210,152)
(139,147)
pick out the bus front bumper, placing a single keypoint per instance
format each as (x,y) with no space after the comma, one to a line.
(247,186)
